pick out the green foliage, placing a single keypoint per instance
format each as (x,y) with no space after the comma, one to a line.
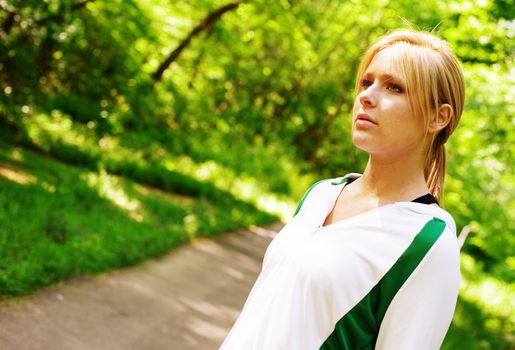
(70,221)
(254,109)
(480,183)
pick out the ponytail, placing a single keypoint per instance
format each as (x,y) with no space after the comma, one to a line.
(435,171)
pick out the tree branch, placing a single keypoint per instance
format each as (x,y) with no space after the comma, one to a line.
(207,23)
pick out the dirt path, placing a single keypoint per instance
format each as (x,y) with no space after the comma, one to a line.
(188,299)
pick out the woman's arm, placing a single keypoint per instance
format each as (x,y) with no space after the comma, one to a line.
(419,315)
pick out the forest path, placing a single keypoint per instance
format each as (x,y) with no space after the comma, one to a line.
(188,299)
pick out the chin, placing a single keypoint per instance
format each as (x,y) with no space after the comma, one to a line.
(362,143)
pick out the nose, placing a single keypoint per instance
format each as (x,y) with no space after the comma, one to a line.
(367,96)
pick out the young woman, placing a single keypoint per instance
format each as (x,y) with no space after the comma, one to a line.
(371,261)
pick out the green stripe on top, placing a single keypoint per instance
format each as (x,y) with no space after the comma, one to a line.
(342,181)
(358,329)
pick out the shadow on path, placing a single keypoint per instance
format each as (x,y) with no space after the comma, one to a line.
(188,299)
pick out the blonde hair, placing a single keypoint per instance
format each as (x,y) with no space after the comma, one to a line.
(433,77)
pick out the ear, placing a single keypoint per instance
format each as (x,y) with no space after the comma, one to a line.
(442,119)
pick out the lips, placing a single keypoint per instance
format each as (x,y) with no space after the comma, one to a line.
(365,118)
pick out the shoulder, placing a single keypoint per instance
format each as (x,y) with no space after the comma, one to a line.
(445,253)
(442,257)
(434,232)
(323,187)
(314,190)
(425,212)
(437,275)
(322,184)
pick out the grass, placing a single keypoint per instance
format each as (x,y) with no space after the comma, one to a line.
(58,221)
(215,167)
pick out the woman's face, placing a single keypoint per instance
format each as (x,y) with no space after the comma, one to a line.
(382,122)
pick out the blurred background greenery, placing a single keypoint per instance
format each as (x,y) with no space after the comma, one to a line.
(129,127)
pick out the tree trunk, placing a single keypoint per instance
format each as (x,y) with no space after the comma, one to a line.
(202,26)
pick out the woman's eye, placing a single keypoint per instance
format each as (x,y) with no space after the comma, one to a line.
(395,88)
(364,83)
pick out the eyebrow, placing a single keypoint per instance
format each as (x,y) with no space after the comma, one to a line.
(386,77)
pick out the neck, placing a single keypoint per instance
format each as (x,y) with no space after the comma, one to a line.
(394,178)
